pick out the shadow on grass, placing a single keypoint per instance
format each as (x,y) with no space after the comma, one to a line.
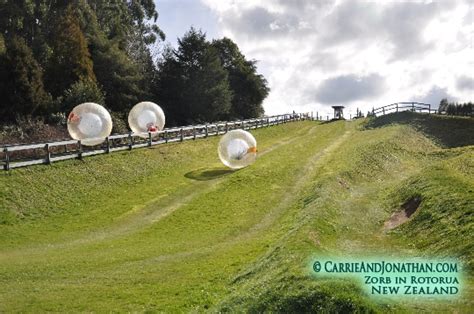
(332,120)
(206,174)
(446,130)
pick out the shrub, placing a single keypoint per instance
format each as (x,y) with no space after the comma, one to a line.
(57,118)
(81,92)
(120,124)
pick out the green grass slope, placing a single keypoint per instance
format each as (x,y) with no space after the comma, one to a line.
(169,229)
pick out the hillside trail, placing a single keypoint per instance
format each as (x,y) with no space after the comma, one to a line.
(154,210)
(292,195)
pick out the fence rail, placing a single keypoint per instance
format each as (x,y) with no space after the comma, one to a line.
(23,155)
(403,106)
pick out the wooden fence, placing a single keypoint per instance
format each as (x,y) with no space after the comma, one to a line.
(15,156)
(403,106)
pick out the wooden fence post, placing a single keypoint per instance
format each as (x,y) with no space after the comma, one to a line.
(6,166)
(166,136)
(207,131)
(149,139)
(130,141)
(48,154)
(80,149)
(412,106)
(181,135)
(194,133)
(107,141)
(429,108)
(226,127)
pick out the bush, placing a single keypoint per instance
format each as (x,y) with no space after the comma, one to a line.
(21,81)
(31,130)
(81,92)
(120,124)
(57,118)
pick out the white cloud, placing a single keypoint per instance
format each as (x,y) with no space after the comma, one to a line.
(373,53)
(434,96)
(347,88)
(465,83)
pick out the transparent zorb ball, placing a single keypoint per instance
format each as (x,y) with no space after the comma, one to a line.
(146,117)
(89,122)
(237,149)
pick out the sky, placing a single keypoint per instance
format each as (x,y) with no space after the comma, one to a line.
(360,54)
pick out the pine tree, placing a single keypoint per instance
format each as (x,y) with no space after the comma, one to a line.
(443,105)
(117,74)
(71,60)
(195,74)
(21,82)
(123,68)
(169,87)
(249,88)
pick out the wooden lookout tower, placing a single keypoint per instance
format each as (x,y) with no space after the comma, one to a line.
(338,114)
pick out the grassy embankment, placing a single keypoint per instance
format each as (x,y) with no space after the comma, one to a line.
(169,229)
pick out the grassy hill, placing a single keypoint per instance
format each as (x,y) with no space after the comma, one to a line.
(170,229)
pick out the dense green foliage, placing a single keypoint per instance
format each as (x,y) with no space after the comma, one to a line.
(202,81)
(21,87)
(249,88)
(168,229)
(70,60)
(194,74)
(73,42)
(54,53)
(456,109)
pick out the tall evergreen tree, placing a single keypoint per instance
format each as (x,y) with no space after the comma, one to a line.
(122,63)
(71,60)
(195,72)
(443,105)
(169,87)
(248,87)
(21,82)
(118,75)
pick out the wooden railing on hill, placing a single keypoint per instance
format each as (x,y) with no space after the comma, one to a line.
(403,106)
(22,155)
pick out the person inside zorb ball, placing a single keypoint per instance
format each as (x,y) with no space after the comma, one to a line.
(90,123)
(237,149)
(146,117)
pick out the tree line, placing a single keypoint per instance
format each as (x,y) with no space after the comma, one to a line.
(456,109)
(55,54)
